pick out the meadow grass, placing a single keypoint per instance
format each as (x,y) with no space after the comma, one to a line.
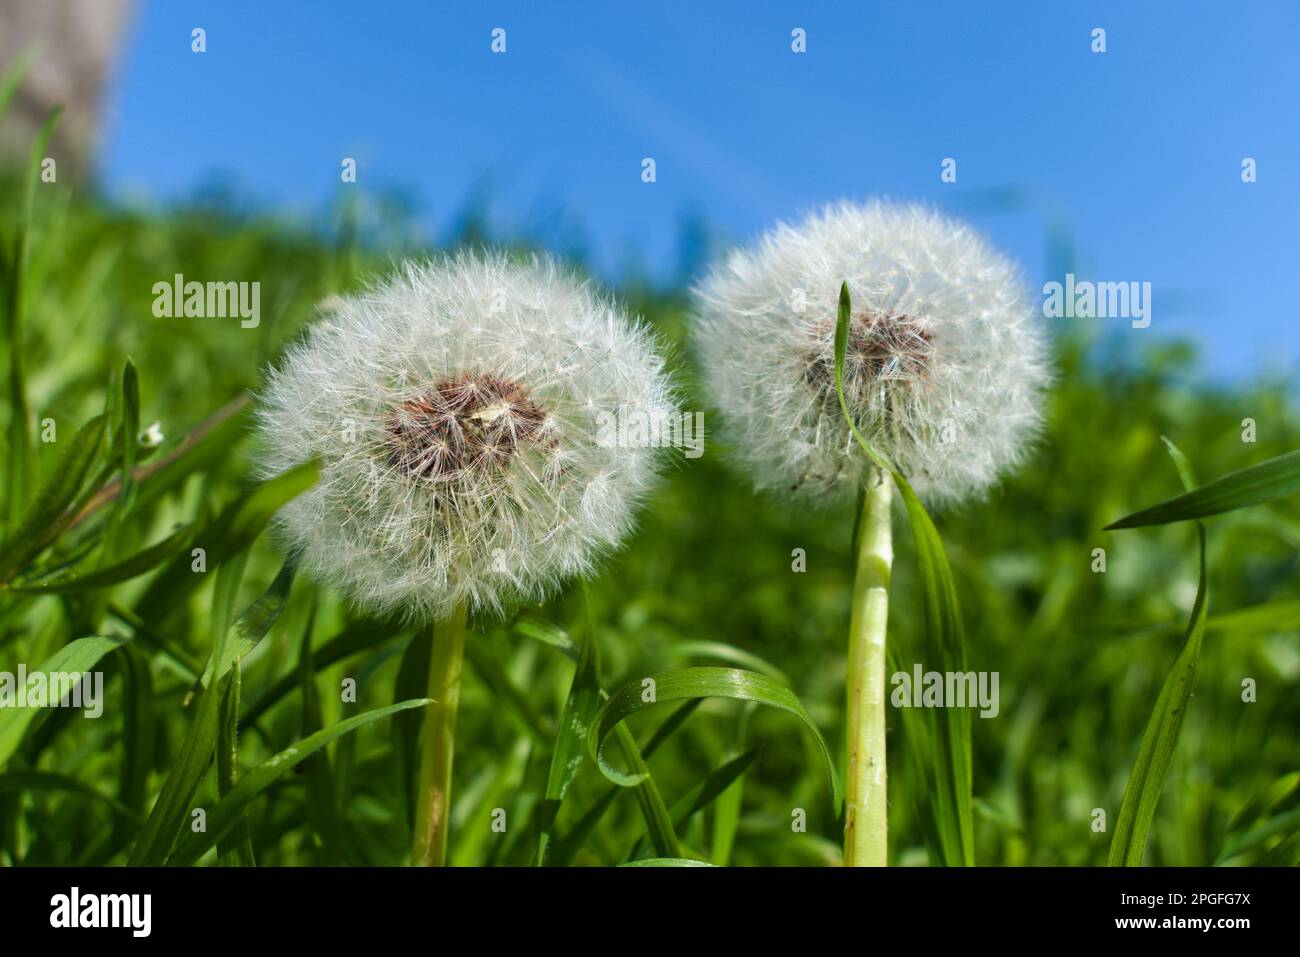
(251,663)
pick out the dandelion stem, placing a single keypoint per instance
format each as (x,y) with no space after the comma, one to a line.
(865,810)
(437,741)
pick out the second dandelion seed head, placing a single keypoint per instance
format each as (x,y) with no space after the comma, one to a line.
(944,366)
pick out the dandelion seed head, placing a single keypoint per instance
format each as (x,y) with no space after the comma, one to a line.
(453,410)
(945,365)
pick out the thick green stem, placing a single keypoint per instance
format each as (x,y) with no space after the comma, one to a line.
(437,742)
(865,809)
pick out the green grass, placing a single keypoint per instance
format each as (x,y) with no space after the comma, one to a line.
(303,776)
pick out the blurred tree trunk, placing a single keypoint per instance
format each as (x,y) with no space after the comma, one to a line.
(73,45)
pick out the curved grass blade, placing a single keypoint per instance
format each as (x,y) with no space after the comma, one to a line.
(730,654)
(945,642)
(48,515)
(1160,740)
(128,568)
(577,836)
(77,656)
(1254,485)
(687,683)
(231,808)
(547,633)
(667,862)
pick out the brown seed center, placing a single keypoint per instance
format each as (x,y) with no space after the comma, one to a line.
(462,428)
(882,348)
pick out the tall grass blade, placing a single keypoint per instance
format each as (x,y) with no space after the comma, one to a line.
(236,849)
(1160,740)
(575,723)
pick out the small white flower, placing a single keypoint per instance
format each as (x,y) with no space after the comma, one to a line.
(945,365)
(454,411)
(152,437)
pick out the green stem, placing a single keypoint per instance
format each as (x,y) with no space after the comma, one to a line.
(437,741)
(865,809)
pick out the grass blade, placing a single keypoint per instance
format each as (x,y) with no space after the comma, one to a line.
(48,515)
(322,791)
(128,568)
(137,737)
(352,639)
(77,656)
(12,782)
(165,820)
(667,862)
(235,850)
(1254,485)
(252,626)
(687,683)
(575,723)
(231,808)
(707,790)
(658,822)
(1160,740)
(577,836)
(13,78)
(233,530)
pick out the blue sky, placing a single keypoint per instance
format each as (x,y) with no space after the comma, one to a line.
(1132,157)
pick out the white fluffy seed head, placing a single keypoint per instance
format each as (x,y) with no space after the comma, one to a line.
(455,411)
(945,365)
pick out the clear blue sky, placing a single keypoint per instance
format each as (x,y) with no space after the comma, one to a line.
(1134,155)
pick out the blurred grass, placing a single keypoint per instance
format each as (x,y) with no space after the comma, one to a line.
(1081,655)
